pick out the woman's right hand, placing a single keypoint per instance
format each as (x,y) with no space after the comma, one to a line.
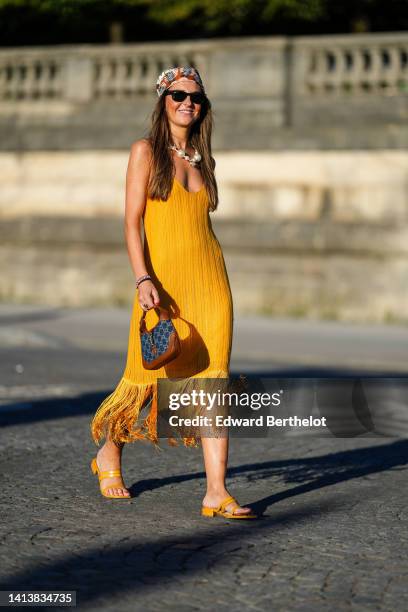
(148,295)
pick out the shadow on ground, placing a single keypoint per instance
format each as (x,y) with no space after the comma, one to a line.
(130,566)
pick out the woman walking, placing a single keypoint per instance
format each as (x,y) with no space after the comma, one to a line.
(171,185)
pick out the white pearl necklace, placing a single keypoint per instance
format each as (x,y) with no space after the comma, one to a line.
(193,161)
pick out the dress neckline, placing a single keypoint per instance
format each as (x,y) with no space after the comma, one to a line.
(186,190)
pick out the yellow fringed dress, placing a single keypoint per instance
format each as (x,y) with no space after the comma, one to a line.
(185,261)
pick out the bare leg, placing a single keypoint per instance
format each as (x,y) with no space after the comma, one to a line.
(109,457)
(215,452)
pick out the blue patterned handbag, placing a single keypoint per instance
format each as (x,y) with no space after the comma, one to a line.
(161,344)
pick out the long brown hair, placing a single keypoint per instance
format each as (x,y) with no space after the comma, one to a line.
(162,169)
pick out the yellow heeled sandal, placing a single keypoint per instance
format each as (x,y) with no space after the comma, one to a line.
(221,510)
(107,474)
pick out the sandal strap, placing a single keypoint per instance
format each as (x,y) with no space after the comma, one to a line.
(234,507)
(109,474)
(226,502)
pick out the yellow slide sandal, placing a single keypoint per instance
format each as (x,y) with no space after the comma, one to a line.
(107,474)
(221,511)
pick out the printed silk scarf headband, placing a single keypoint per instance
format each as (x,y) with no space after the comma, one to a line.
(171,75)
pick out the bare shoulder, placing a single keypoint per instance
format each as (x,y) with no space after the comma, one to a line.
(141,151)
(139,164)
(137,179)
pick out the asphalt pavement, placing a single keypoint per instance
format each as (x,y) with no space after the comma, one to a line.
(333,528)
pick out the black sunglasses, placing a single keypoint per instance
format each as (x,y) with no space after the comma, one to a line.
(178,95)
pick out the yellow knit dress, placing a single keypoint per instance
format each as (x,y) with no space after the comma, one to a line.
(185,261)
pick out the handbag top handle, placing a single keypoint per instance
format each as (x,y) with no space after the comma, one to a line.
(161,312)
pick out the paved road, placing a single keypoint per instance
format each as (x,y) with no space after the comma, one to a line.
(333,533)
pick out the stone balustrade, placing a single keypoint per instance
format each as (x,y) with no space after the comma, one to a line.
(352,65)
(86,73)
(267,92)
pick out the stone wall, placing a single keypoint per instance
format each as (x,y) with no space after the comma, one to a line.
(268,93)
(310,141)
(355,186)
(318,234)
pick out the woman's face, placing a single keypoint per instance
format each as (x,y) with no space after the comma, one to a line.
(184,113)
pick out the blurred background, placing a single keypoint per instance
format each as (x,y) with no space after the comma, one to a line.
(310,106)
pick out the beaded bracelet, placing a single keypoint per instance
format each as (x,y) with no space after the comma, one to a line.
(141,279)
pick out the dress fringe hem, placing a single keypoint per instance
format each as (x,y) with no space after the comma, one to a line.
(118,415)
